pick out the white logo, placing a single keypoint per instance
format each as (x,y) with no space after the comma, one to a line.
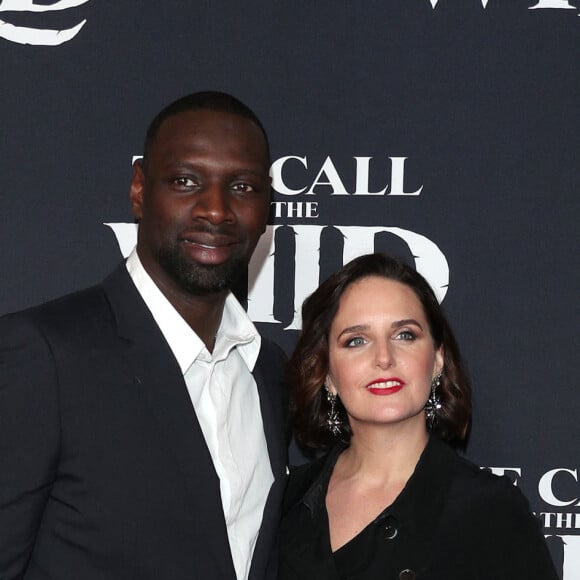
(561,4)
(560,527)
(329,176)
(358,240)
(558,4)
(52,37)
(38,36)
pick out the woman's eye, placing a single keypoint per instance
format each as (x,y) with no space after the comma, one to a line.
(355,341)
(406,335)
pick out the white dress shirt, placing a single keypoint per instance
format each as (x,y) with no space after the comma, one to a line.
(225,399)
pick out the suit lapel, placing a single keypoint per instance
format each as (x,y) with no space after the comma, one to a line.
(267,379)
(150,361)
(267,373)
(154,368)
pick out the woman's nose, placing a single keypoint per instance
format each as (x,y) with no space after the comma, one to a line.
(384,356)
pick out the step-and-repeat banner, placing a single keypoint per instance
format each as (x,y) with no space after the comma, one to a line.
(444,131)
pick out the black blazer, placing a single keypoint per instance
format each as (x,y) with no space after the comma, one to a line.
(104,471)
(452,521)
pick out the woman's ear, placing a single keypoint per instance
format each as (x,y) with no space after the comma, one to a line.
(439,361)
(330,384)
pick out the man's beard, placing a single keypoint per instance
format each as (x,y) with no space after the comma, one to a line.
(199,279)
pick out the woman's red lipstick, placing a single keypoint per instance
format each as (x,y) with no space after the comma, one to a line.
(384,387)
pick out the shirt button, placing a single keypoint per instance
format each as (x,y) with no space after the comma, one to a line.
(389,525)
(391,532)
(407,574)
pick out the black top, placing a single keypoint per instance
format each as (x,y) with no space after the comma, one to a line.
(451,521)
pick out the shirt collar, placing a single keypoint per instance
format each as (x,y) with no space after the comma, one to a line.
(236,329)
(315,497)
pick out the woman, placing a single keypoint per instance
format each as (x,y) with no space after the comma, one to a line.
(377,380)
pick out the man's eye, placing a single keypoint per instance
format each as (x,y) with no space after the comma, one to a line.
(355,341)
(183,181)
(243,187)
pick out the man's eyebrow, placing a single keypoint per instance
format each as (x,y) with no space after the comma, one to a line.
(191,165)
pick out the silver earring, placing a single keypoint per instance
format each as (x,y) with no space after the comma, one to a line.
(333,422)
(433,405)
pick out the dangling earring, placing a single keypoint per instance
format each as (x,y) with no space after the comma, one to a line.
(333,422)
(433,405)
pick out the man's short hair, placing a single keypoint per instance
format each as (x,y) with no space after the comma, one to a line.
(205,100)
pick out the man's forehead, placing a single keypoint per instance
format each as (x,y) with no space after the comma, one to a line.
(200,129)
(201,119)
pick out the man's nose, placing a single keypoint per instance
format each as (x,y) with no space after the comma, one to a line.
(213,203)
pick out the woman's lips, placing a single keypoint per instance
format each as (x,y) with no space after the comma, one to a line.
(384,387)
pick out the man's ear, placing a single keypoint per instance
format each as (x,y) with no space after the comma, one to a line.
(270,198)
(136,189)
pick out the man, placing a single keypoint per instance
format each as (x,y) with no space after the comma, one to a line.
(142,421)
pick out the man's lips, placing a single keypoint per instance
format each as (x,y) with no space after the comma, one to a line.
(209,249)
(385,386)
(208,240)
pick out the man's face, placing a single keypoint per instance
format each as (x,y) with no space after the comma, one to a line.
(202,201)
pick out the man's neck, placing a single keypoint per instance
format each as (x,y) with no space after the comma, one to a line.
(202,313)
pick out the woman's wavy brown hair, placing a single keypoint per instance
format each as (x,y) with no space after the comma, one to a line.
(308,366)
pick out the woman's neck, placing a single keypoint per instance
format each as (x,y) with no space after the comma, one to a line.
(381,456)
(369,476)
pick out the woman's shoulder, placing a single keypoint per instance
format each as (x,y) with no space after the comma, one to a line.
(479,486)
(490,506)
(489,523)
(472,492)
(303,478)
(305,472)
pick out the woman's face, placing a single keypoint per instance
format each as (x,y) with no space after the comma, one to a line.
(381,354)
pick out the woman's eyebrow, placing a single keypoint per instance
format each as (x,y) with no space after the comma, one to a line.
(405,321)
(355,328)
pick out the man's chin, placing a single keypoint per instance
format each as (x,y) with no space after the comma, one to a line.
(208,280)
(203,279)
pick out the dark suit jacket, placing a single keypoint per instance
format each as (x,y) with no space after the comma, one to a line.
(104,471)
(452,521)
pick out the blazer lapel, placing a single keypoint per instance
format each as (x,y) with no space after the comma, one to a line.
(155,370)
(267,374)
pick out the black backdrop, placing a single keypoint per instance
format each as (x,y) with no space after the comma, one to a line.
(470,105)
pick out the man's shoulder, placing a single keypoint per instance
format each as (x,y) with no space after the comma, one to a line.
(77,310)
(68,322)
(271,352)
(271,368)
(57,308)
